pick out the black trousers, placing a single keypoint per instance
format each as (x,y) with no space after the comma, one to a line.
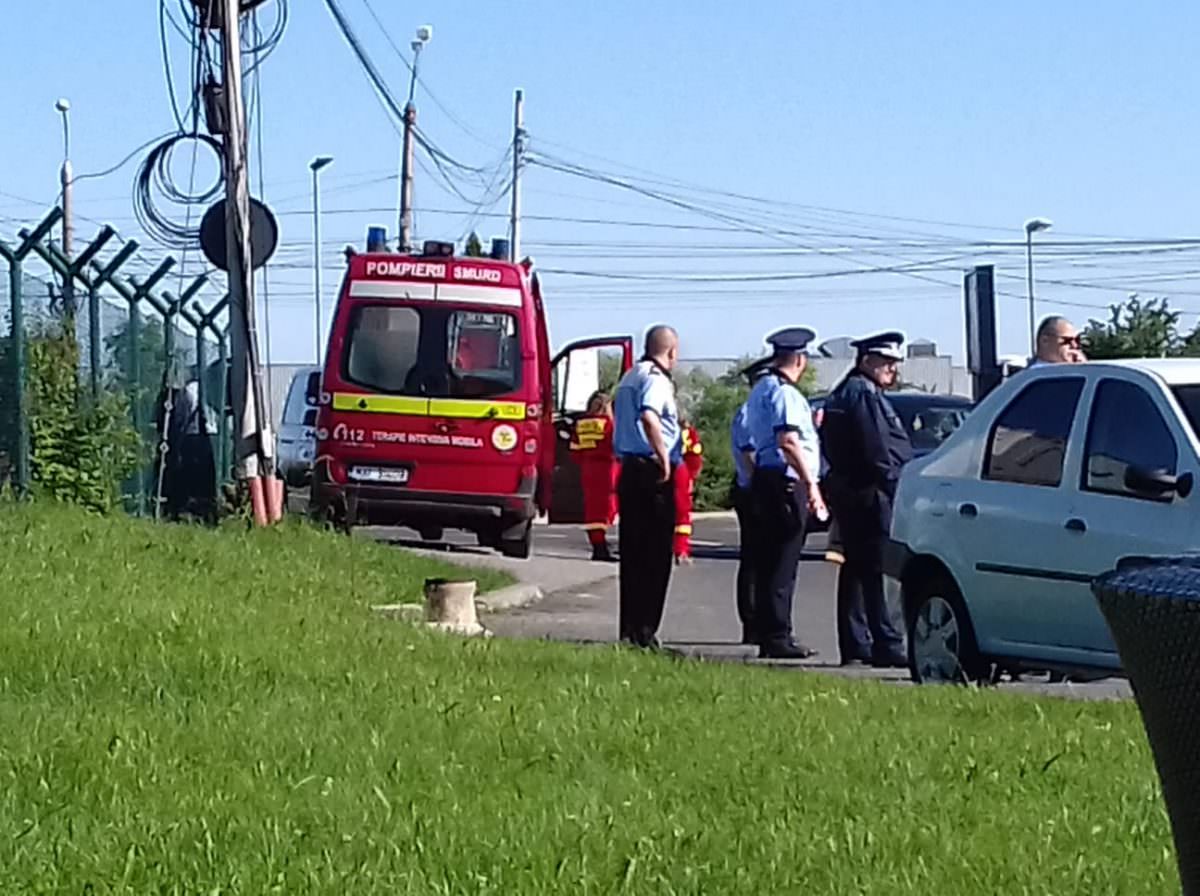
(645,536)
(743,506)
(865,626)
(781,512)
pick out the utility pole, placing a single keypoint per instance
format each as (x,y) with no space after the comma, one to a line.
(66,181)
(254,447)
(406,177)
(518,149)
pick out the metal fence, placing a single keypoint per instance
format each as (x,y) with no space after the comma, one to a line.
(134,334)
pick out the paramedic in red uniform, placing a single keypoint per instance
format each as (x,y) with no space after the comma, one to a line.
(592,448)
(692,462)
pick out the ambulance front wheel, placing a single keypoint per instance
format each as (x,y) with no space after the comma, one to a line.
(518,541)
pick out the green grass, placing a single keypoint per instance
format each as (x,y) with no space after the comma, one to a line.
(189,712)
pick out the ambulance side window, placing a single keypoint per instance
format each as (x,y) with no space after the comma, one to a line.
(383,346)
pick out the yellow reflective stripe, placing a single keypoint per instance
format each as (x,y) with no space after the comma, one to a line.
(467,407)
(381,404)
(683,530)
(589,527)
(426,407)
(590,427)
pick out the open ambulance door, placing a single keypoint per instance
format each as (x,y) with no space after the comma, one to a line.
(577,371)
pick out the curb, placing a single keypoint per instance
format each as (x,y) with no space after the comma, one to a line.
(510,598)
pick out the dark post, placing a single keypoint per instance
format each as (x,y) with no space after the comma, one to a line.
(980,306)
(17,309)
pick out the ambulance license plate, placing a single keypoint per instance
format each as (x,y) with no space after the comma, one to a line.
(388,475)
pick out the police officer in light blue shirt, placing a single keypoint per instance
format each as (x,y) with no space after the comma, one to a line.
(743,466)
(784,489)
(646,439)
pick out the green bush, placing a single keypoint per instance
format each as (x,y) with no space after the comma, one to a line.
(80,450)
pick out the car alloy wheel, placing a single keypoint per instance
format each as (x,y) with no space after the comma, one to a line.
(937,643)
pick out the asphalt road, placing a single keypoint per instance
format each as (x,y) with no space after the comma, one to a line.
(580,602)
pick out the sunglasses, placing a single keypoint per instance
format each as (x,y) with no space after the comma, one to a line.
(1070,341)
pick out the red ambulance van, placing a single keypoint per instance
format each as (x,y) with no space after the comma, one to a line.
(439,399)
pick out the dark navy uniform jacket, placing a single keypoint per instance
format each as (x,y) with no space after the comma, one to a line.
(865,441)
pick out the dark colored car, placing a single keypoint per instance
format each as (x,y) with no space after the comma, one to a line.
(929,419)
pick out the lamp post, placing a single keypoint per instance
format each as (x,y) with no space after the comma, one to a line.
(66,178)
(1032,226)
(315,166)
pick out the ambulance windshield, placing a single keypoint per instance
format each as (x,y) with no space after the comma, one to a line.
(438,352)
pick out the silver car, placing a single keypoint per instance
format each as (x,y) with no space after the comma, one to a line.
(297,433)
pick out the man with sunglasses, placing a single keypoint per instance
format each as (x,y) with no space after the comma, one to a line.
(866,445)
(1058,342)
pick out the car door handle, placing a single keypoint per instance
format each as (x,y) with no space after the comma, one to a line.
(1074,524)
(968,510)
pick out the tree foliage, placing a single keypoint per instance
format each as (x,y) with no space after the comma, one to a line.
(1136,329)
(474,246)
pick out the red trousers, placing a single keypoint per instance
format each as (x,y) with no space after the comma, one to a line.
(599,480)
(683,511)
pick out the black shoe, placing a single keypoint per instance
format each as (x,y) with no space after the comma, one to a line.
(650,643)
(749,636)
(890,661)
(785,650)
(602,554)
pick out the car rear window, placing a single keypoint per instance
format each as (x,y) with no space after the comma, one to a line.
(435,352)
(1189,399)
(1028,442)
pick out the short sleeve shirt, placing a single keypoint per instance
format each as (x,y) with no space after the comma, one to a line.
(776,406)
(646,387)
(740,441)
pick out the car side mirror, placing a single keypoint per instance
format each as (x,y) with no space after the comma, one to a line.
(1184,483)
(1157,483)
(310,417)
(312,390)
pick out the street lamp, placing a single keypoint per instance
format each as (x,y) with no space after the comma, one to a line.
(315,166)
(1032,226)
(424,35)
(65,178)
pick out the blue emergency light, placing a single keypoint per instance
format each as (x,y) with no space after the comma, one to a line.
(376,239)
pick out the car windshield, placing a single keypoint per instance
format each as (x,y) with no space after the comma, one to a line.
(435,352)
(930,425)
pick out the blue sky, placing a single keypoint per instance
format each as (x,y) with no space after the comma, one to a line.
(879,134)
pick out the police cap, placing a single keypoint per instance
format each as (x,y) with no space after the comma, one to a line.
(885,345)
(791,339)
(756,369)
